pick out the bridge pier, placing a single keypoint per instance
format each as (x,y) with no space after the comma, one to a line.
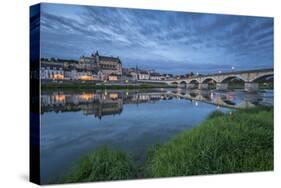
(203,86)
(251,87)
(221,86)
(182,85)
(190,86)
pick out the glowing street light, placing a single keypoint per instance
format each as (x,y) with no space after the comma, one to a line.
(232,68)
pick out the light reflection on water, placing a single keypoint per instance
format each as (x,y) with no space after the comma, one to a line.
(74,123)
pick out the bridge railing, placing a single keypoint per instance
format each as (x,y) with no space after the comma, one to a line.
(213,74)
(226,73)
(235,72)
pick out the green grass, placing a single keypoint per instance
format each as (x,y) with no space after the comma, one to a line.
(237,141)
(224,143)
(103,164)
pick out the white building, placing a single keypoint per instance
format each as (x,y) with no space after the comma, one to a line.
(70,73)
(134,75)
(143,75)
(51,72)
(83,75)
(155,76)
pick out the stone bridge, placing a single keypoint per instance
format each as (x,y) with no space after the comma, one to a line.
(250,78)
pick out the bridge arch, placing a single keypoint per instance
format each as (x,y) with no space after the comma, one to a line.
(183,83)
(193,81)
(232,77)
(231,82)
(206,80)
(211,82)
(260,81)
(262,76)
(193,84)
(174,83)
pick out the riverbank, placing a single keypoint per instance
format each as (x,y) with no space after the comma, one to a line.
(94,86)
(101,86)
(240,141)
(103,164)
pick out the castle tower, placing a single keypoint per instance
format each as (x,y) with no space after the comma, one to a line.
(97,59)
(137,71)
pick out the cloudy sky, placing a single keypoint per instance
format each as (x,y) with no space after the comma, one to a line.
(169,42)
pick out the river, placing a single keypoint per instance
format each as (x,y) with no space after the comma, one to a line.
(74,123)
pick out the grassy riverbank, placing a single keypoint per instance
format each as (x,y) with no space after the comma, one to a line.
(240,141)
(225,143)
(101,165)
(93,86)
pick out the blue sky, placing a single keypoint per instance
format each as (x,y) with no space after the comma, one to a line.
(169,42)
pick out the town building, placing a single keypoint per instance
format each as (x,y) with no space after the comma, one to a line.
(113,77)
(70,73)
(134,75)
(127,77)
(155,76)
(168,76)
(87,63)
(65,63)
(107,65)
(96,68)
(51,72)
(83,74)
(143,75)
(73,73)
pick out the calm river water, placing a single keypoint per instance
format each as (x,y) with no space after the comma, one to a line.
(74,123)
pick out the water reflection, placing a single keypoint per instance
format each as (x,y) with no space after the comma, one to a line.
(90,103)
(74,123)
(103,103)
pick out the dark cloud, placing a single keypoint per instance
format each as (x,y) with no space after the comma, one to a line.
(174,41)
